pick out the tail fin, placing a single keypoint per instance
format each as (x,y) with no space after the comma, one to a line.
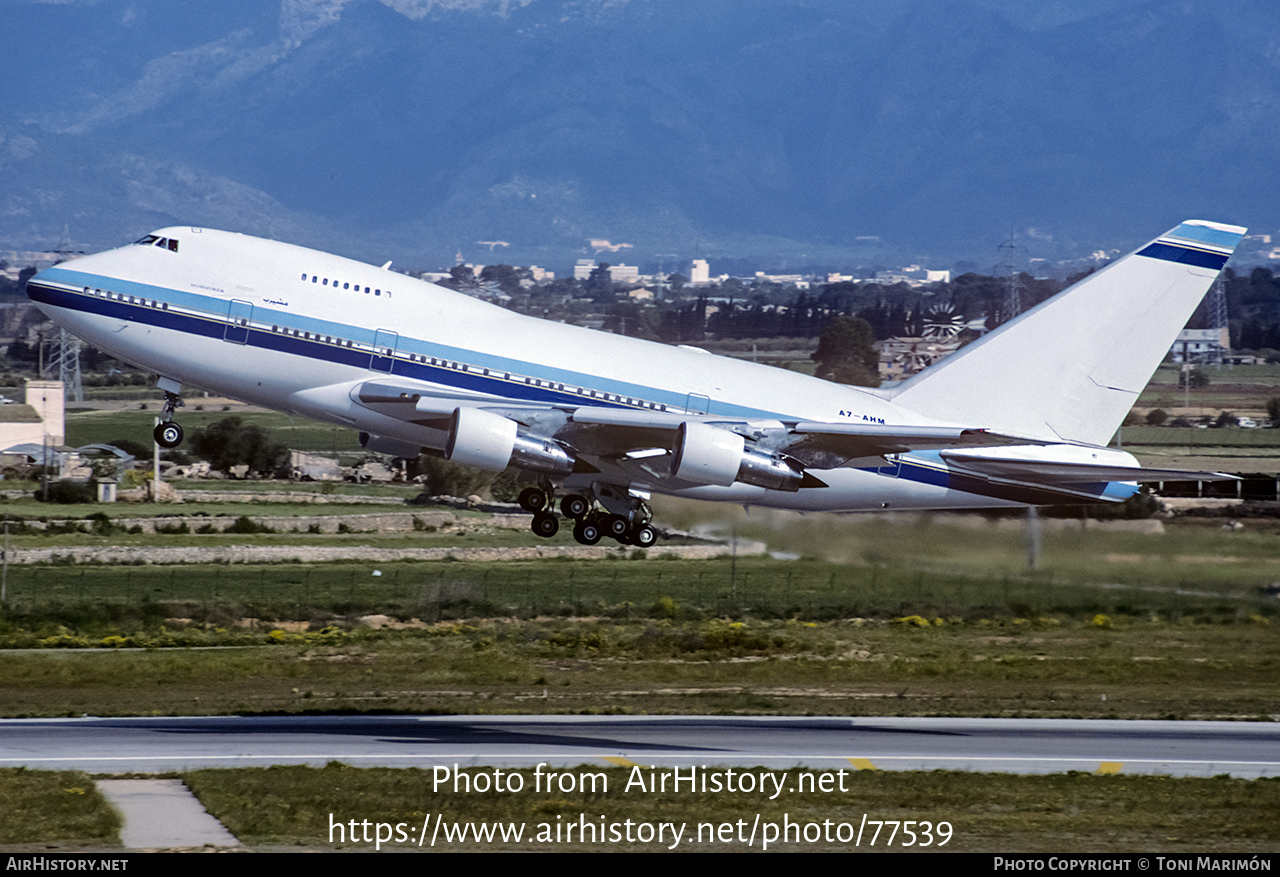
(1070,368)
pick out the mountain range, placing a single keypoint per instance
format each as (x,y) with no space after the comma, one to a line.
(788,133)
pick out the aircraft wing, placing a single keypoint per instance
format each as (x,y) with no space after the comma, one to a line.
(605,431)
(646,444)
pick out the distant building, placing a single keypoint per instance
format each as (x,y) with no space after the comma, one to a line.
(1201,345)
(913,275)
(582,269)
(792,279)
(41,421)
(700,272)
(624,273)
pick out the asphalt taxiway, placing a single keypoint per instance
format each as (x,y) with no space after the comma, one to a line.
(153,745)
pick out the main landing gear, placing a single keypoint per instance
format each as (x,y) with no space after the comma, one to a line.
(628,524)
(168,434)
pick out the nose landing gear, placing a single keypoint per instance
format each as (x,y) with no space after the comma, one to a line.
(168,434)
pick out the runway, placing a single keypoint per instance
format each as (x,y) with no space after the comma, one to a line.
(152,745)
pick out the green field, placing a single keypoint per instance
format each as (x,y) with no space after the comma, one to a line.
(58,810)
(292,807)
(296,808)
(87,426)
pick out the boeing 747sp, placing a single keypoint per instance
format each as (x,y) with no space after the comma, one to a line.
(1020,417)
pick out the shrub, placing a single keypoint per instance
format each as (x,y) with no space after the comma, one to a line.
(232,442)
(67,492)
(247,526)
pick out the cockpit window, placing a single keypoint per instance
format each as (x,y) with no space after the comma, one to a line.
(170,244)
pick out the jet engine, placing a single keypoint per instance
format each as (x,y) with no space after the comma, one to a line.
(490,441)
(706,454)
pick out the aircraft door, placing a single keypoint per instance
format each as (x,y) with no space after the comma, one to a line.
(698,404)
(892,466)
(239,315)
(384,350)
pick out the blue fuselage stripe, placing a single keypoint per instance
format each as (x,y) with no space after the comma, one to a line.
(515,389)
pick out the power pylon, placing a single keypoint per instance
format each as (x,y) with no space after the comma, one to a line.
(1010,268)
(65,357)
(1218,311)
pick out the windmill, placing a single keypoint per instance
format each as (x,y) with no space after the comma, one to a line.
(913,359)
(942,323)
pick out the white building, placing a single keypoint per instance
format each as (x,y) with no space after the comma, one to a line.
(700,272)
(913,275)
(1200,345)
(41,421)
(624,273)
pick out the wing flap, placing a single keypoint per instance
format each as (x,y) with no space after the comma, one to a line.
(851,440)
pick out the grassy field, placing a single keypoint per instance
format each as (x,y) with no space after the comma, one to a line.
(1243,389)
(86,426)
(292,807)
(54,810)
(1047,666)
(877,614)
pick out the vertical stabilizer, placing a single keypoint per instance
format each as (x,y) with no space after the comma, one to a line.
(1070,368)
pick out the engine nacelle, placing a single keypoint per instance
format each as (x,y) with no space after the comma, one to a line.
(705,454)
(490,441)
(395,447)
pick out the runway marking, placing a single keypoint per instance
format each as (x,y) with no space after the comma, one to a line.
(1108,767)
(863,764)
(618,760)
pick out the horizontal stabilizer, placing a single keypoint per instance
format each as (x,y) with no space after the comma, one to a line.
(1046,472)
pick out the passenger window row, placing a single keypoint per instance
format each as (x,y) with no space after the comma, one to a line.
(130,299)
(325,281)
(413,357)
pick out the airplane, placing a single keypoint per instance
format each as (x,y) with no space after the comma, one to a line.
(1019,418)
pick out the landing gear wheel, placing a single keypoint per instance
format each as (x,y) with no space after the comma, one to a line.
(545,525)
(574,506)
(617,527)
(587,532)
(168,435)
(532,500)
(645,537)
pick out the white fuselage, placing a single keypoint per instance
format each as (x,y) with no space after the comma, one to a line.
(294,329)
